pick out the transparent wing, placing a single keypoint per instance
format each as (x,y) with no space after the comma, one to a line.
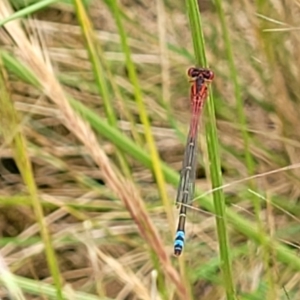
(186,186)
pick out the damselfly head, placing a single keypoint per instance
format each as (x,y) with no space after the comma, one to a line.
(194,73)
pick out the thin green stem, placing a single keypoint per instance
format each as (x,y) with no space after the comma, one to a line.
(214,155)
(99,76)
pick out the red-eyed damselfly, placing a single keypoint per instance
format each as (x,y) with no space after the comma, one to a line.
(198,93)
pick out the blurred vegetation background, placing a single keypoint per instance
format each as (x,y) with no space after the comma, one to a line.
(94,112)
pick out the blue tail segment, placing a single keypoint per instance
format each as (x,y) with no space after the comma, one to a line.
(179,242)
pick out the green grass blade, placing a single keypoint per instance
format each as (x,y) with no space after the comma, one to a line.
(237,88)
(13,136)
(41,288)
(27,11)
(99,76)
(214,155)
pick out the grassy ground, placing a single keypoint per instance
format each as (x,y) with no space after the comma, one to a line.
(94,111)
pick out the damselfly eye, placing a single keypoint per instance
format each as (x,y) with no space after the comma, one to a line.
(193,72)
(210,75)
(207,74)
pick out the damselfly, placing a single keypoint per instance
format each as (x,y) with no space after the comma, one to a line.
(198,93)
